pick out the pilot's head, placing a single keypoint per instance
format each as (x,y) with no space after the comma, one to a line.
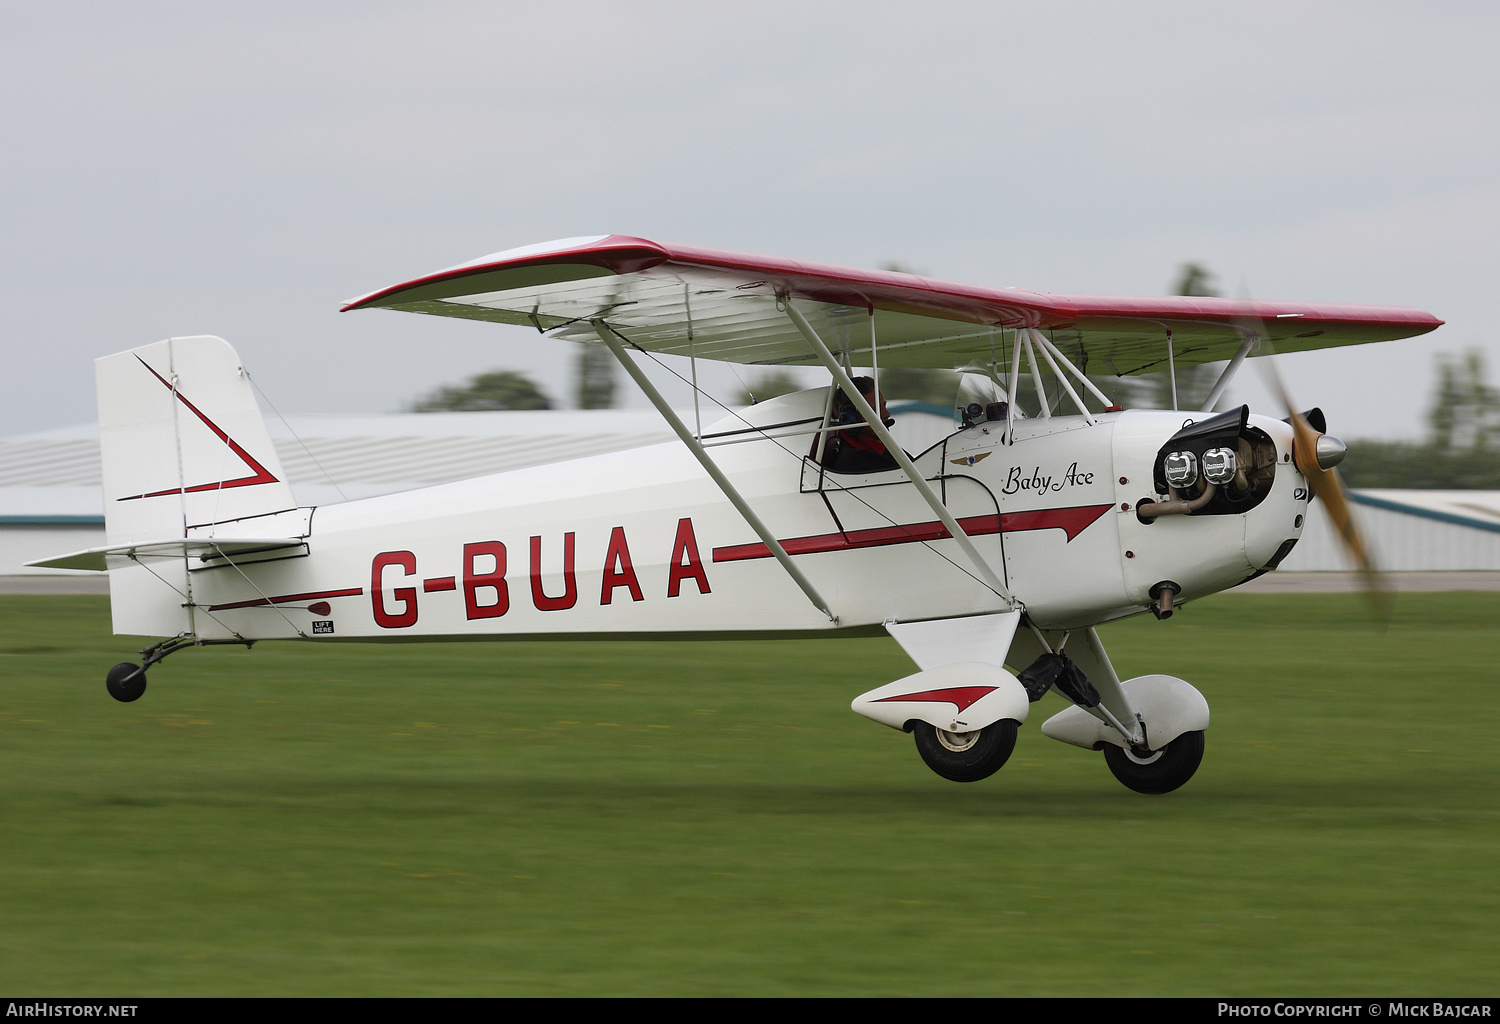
(866,386)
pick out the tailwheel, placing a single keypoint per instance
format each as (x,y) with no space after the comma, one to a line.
(1162,770)
(126,682)
(966,756)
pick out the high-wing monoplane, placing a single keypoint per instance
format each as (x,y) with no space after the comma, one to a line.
(1048,510)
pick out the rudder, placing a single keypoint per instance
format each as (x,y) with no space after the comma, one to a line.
(182,441)
(183,447)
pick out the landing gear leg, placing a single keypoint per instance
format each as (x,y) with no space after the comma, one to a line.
(127,680)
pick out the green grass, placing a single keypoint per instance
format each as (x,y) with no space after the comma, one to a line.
(710,818)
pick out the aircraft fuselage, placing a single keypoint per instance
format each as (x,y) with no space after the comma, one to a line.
(642,543)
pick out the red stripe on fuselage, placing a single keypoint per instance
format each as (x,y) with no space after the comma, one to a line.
(1071,521)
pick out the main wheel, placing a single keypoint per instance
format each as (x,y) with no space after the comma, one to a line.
(1165,770)
(126,682)
(966,756)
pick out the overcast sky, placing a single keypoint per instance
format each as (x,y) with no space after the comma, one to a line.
(241,169)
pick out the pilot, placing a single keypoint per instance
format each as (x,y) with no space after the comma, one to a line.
(857,450)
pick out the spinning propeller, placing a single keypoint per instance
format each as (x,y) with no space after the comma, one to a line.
(1316,454)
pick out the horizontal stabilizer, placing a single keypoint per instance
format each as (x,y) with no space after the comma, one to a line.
(204,551)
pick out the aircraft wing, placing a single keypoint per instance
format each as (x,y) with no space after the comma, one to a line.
(722,305)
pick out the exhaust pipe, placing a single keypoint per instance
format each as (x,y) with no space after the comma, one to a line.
(1161,597)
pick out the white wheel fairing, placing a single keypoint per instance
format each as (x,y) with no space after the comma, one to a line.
(961,698)
(1168,705)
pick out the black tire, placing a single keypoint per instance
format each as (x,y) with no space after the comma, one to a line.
(983,756)
(126,682)
(1168,769)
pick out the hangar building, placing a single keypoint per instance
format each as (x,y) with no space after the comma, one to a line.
(50,500)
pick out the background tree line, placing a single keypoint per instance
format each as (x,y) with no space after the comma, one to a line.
(593,388)
(1460,450)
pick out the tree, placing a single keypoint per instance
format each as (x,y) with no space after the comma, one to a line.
(1194,279)
(768,385)
(1150,390)
(1463,413)
(498,389)
(1154,390)
(938,387)
(594,386)
(1458,454)
(899,382)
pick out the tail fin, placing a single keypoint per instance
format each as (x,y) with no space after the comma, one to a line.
(182,441)
(182,445)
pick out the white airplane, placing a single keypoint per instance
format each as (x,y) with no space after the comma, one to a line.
(1006,543)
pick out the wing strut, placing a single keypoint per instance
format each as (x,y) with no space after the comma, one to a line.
(923,488)
(1047,351)
(1045,410)
(1229,372)
(608,336)
(1078,374)
(1172,368)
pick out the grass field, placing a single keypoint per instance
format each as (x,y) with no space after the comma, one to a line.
(629,818)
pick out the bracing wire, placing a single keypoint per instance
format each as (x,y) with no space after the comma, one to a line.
(300,443)
(269,603)
(187,597)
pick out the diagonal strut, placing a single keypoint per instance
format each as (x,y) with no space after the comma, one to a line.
(991,579)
